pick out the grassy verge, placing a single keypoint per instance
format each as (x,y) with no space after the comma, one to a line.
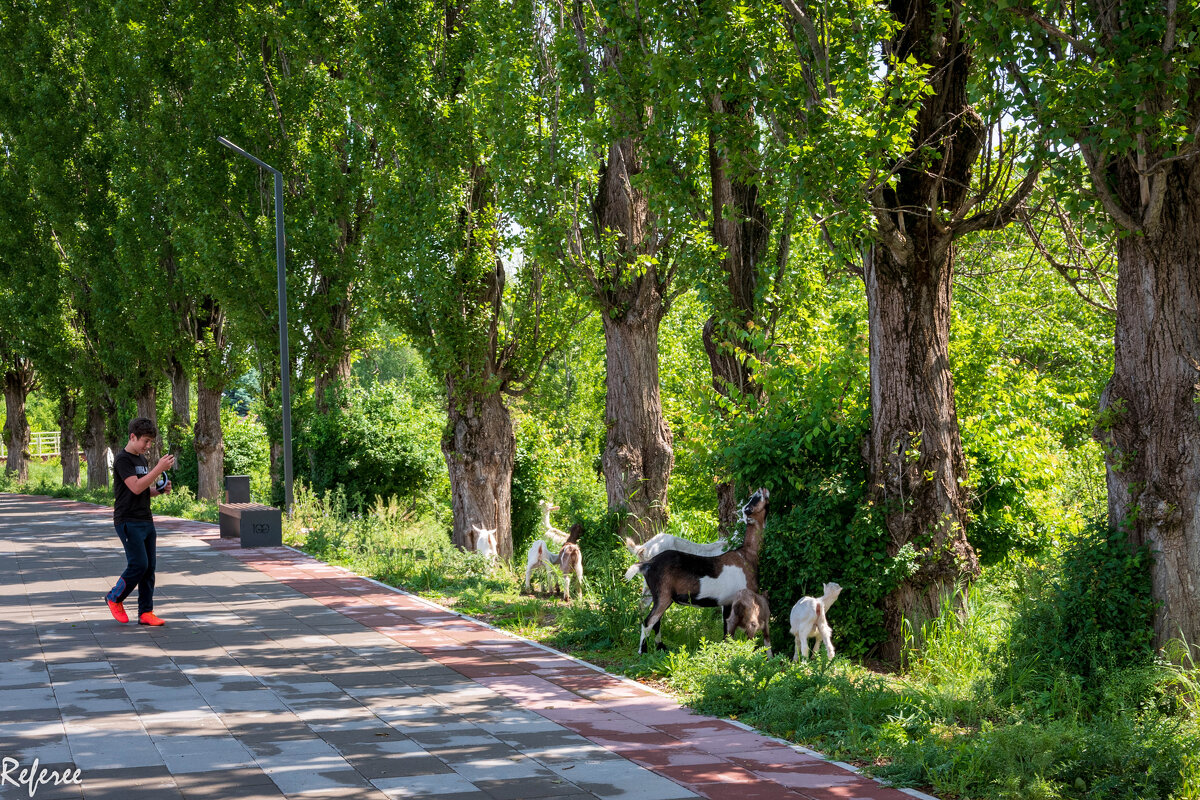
(968,717)
(964,719)
(45,478)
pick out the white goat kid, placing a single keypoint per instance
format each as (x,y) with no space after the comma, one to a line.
(808,621)
(485,542)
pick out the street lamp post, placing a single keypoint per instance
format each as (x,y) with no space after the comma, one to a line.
(284,361)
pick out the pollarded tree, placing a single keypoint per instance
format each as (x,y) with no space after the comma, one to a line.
(901,167)
(1117,83)
(624,192)
(26,310)
(485,313)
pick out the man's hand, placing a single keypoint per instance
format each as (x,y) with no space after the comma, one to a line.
(166,489)
(165,463)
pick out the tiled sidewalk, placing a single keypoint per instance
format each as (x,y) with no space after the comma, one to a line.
(279,676)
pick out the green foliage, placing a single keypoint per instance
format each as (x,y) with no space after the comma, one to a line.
(376,443)
(247,451)
(819,527)
(1088,618)
(187,466)
(528,490)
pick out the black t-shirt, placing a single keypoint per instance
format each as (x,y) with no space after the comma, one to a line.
(129,505)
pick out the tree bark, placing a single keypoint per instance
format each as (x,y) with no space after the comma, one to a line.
(330,376)
(638,454)
(916,454)
(95,446)
(209,441)
(147,406)
(1148,420)
(68,439)
(741,228)
(916,463)
(480,449)
(17,382)
(181,408)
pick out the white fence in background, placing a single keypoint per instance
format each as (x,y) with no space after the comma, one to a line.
(42,444)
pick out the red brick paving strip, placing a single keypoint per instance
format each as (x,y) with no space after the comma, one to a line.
(715,758)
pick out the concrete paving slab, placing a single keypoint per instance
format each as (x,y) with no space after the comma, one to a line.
(277,676)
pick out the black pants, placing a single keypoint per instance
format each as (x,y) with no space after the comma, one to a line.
(139,538)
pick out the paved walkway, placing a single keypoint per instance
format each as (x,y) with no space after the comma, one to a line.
(279,676)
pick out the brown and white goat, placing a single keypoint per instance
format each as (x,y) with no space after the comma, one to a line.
(750,614)
(569,560)
(676,577)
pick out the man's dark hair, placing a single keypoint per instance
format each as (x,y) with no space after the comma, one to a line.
(140,426)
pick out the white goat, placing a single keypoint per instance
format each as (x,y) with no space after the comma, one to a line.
(676,577)
(485,542)
(552,533)
(809,622)
(569,560)
(665,541)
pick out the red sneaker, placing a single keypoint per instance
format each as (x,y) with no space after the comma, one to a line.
(149,619)
(118,611)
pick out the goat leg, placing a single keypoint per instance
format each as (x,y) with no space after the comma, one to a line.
(653,621)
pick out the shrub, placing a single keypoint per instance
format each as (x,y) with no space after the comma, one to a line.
(187,467)
(247,451)
(377,443)
(1091,619)
(820,527)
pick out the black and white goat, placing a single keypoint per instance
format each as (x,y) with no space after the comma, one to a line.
(676,577)
(808,621)
(568,559)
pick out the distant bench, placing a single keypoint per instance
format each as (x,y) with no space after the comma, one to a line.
(255,524)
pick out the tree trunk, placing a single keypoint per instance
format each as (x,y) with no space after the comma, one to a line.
(638,455)
(1149,420)
(916,458)
(181,409)
(328,378)
(147,406)
(95,446)
(209,441)
(68,439)
(741,228)
(916,462)
(480,450)
(17,435)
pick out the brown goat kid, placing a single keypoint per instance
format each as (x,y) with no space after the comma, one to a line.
(568,559)
(750,614)
(676,577)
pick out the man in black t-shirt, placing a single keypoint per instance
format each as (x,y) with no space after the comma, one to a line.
(134,486)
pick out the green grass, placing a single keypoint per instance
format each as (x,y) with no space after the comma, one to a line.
(938,724)
(964,718)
